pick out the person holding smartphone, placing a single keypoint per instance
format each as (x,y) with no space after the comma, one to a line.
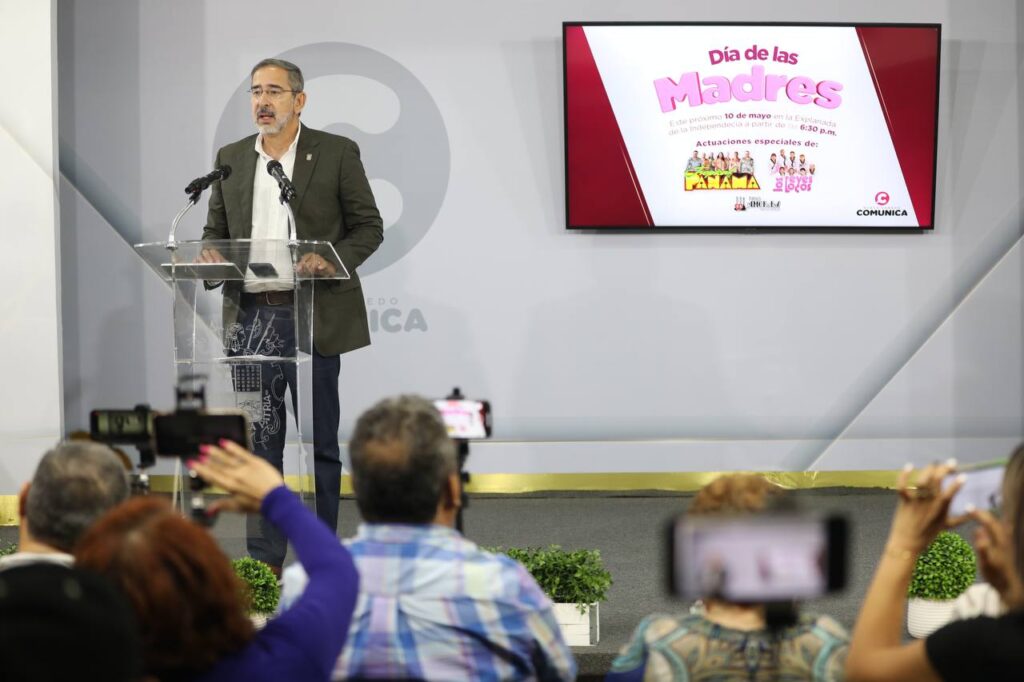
(983,648)
(187,600)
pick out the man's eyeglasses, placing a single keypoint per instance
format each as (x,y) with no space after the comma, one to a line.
(272,93)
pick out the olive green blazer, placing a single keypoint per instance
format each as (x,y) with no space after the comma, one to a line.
(333,202)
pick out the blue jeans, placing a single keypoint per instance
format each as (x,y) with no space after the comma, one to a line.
(268,329)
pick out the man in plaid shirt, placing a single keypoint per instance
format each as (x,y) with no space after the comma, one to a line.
(432,605)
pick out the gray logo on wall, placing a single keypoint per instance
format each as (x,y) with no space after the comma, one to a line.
(413,154)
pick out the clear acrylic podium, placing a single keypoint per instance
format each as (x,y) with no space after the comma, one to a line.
(245,361)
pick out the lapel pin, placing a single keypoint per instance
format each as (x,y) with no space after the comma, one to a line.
(309,157)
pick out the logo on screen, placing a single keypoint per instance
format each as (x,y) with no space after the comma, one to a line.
(882,212)
(752,203)
(402,137)
(882,198)
(699,180)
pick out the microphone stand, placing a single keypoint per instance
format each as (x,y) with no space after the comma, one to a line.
(287,192)
(193,199)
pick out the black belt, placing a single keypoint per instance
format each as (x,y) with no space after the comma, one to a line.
(269,297)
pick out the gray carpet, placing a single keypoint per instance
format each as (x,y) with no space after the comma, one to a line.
(628,530)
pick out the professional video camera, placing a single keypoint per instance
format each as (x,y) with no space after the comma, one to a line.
(466,420)
(773,558)
(171,434)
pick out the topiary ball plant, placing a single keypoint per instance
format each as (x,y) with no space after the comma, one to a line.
(567,577)
(945,569)
(260,583)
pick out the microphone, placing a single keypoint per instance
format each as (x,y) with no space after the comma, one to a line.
(199,184)
(277,172)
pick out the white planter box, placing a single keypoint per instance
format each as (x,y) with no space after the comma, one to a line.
(925,616)
(579,629)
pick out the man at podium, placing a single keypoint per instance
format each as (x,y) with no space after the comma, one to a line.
(333,202)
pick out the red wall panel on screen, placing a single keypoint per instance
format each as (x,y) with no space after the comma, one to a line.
(735,126)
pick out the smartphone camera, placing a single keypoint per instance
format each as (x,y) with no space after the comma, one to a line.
(982,487)
(757,559)
(465,419)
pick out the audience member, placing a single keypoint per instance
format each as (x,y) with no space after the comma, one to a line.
(62,623)
(730,641)
(74,484)
(432,604)
(983,648)
(190,605)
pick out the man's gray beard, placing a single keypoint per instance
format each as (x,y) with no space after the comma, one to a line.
(275,127)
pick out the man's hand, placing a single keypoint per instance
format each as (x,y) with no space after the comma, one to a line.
(313,265)
(245,476)
(210,256)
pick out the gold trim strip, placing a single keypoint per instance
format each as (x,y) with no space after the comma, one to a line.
(672,482)
(619,482)
(164,483)
(8,510)
(510,484)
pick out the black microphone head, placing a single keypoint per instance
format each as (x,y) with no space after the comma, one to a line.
(224,172)
(274,166)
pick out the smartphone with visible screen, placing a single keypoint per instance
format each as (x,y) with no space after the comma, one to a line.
(983,487)
(180,434)
(121,426)
(466,419)
(757,558)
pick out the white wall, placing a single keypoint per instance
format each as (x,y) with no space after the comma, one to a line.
(30,406)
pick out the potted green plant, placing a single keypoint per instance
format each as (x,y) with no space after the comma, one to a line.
(261,587)
(942,573)
(575,580)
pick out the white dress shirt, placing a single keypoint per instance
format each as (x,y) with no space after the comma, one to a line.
(270,220)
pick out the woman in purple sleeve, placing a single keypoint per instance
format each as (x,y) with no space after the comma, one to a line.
(188,602)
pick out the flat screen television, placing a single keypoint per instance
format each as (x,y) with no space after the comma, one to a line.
(739,125)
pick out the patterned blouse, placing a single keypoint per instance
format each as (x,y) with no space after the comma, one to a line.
(690,647)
